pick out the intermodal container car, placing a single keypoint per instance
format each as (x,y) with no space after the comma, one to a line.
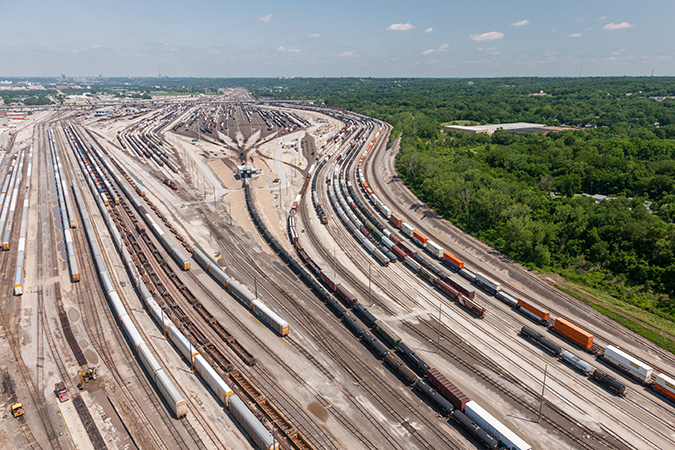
(533,311)
(666,386)
(625,362)
(572,332)
(419,238)
(488,283)
(434,250)
(407,229)
(455,263)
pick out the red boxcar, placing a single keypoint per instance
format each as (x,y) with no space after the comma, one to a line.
(447,389)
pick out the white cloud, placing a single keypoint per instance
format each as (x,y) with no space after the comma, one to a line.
(552,30)
(618,52)
(429,30)
(521,23)
(617,26)
(281,48)
(428,52)
(293,50)
(348,55)
(266,19)
(489,36)
(575,35)
(602,17)
(315,35)
(444,48)
(400,27)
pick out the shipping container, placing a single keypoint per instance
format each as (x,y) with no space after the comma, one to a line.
(665,386)
(488,283)
(395,221)
(628,364)
(419,238)
(494,427)
(386,212)
(533,311)
(434,250)
(468,275)
(572,332)
(447,389)
(407,229)
(455,263)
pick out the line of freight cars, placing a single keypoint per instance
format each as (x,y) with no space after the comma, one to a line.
(253,427)
(613,356)
(451,287)
(260,310)
(449,399)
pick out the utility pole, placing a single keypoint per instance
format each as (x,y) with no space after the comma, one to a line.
(370,303)
(541,403)
(438,343)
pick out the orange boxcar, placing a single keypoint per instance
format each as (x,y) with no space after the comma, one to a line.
(395,221)
(420,237)
(533,310)
(573,333)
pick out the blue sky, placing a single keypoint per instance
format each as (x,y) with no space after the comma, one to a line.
(393,38)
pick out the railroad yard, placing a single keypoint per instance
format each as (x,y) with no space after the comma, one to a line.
(220,273)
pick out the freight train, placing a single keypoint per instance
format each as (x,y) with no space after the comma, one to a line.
(446,400)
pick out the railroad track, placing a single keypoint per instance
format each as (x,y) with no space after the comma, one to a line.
(178,291)
(94,307)
(330,349)
(11,327)
(384,191)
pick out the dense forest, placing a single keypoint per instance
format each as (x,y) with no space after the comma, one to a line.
(522,193)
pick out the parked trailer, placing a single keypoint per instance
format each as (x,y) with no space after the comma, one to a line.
(503,434)
(533,311)
(665,386)
(626,363)
(573,333)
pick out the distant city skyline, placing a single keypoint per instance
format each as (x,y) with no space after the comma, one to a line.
(485,38)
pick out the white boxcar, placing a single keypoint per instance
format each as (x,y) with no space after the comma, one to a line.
(627,363)
(434,250)
(494,427)
(407,229)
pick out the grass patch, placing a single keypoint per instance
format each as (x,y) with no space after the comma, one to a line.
(657,338)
